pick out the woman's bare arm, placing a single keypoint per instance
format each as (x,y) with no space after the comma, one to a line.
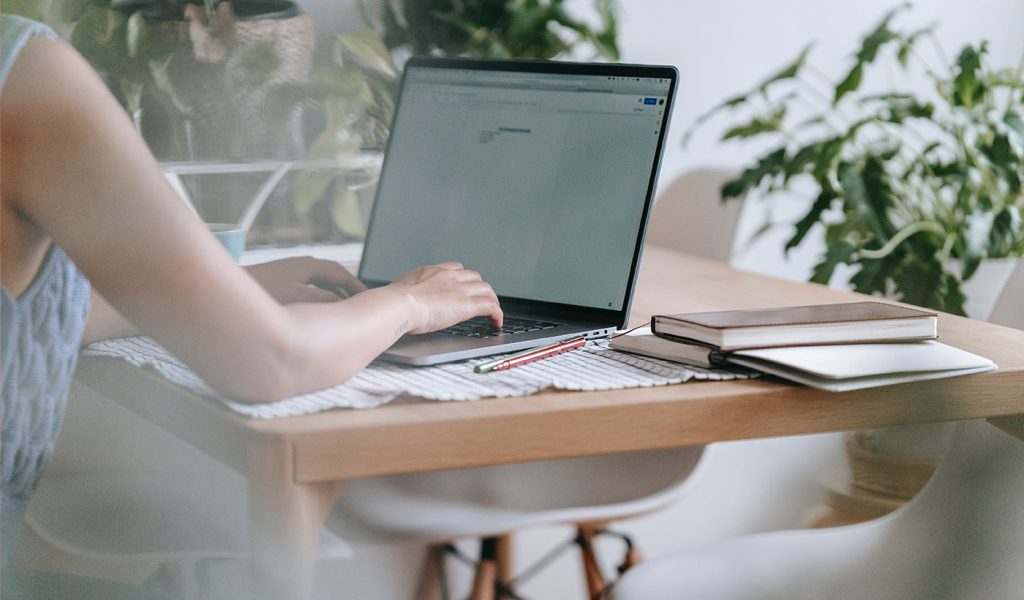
(287,280)
(74,165)
(104,322)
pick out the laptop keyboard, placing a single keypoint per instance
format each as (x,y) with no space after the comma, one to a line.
(481,327)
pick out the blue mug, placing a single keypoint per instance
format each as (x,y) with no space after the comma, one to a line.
(231,236)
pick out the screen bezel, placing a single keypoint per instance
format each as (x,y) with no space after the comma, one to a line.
(542,308)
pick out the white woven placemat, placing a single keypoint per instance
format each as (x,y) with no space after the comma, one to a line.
(593,367)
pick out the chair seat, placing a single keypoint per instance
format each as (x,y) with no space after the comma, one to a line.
(488,501)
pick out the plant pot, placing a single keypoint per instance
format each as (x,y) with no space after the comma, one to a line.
(292,34)
(896,461)
(228,118)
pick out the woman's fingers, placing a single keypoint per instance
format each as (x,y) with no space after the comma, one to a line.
(318,294)
(332,276)
(306,279)
(448,293)
(467,275)
(492,310)
(481,301)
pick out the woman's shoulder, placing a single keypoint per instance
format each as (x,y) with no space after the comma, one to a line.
(15,32)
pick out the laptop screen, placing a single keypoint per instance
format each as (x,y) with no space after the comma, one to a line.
(538,180)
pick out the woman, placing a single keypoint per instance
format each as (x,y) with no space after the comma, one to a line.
(80,190)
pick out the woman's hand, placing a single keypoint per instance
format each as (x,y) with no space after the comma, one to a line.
(446,294)
(305,279)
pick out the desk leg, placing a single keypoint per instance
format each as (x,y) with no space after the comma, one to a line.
(284,522)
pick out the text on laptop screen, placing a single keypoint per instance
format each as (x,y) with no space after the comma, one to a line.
(538,181)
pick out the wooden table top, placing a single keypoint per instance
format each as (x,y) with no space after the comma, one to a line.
(409,436)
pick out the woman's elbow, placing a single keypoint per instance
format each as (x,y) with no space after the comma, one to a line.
(279,387)
(265,373)
(264,391)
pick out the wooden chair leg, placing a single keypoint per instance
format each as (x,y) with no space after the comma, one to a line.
(486,570)
(429,587)
(503,558)
(591,570)
(633,558)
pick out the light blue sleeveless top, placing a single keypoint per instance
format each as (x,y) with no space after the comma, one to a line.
(40,332)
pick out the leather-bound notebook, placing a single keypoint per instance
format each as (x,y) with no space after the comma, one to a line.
(846,323)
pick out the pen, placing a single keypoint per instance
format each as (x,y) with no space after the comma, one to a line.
(530,355)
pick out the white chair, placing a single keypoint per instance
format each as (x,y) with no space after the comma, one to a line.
(690,217)
(961,537)
(491,503)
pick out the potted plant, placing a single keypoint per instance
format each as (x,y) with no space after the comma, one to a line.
(912,191)
(194,74)
(354,94)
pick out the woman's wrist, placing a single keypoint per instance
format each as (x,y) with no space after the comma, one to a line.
(408,311)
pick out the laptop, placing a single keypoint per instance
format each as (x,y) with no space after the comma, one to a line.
(539,175)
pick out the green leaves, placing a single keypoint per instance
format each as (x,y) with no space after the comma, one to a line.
(803,226)
(758,125)
(837,254)
(790,71)
(925,282)
(346,213)
(605,40)
(135,34)
(533,29)
(881,36)
(898,107)
(871,45)
(850,83)
(367,49)
(99,36)
(768,166)
(907,44)
(1016,123)
(903,186)
(356,96)
(178,94)
(770,122)
(968,87)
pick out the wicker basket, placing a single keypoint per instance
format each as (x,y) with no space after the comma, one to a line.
(293,35)
(883,474)
(224,128)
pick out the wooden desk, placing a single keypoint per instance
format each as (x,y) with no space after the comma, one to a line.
(295,466)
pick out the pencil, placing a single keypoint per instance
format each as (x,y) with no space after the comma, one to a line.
(529,356)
